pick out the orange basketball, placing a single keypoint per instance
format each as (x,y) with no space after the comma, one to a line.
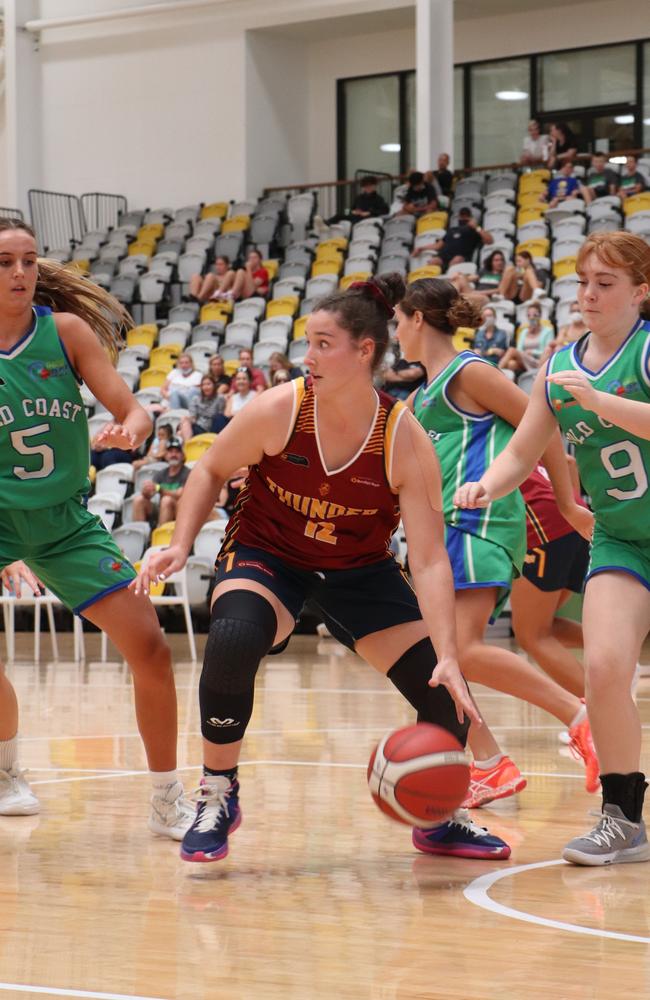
(419,774)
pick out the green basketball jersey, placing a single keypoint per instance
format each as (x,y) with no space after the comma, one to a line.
(466,444)
(613,463)
(44,450)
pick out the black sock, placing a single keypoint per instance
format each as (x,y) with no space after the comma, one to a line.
(230,773)
(625,791)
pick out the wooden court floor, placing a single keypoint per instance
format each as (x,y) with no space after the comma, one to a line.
(321,896)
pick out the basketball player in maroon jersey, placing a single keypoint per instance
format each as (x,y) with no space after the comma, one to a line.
(331,462)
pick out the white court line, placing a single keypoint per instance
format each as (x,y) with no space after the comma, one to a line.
(477,893)
(52,991)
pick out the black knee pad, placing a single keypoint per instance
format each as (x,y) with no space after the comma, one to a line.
(410,675)
(242,629)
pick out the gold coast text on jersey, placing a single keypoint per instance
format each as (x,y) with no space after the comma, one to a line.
(64,409)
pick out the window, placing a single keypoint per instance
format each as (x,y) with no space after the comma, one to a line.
(459,117)
(645,110)
(372,125)
(586,78)
(500,110)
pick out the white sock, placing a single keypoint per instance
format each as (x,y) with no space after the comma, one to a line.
(487,765)
(579,717)
(163,779)
(8,753)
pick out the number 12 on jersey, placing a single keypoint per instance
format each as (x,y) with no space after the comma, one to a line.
(322,531)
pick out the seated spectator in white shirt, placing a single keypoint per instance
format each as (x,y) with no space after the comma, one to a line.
(181,384)
(536,148)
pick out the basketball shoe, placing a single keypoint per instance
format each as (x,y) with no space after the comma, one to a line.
(461,838)
(16,797)
(501,781)
(582,748)
(614,840)
(217,815)
(171,814)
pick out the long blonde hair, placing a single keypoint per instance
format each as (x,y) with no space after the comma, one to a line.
(65,289)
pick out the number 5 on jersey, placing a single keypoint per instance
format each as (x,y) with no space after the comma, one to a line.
(44,450)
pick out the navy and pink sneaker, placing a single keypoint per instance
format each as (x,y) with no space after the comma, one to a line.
(217,815)
(461,838)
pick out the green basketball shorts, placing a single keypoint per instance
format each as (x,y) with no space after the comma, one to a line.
(617,554)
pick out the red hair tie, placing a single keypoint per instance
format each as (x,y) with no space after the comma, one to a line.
(377,294)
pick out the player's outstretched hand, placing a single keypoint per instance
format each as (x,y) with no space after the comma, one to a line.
(160,565)
(471,495)
(447,672)
(578,386)
(115,435)
(580,519)
(15,573)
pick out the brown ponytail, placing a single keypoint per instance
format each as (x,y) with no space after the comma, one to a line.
(441,304)
(365,308)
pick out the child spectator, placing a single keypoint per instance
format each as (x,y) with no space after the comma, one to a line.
(520,280)
(490,342)
(158,447)
(420,197)
(632,181)
(600,180)
(252,279)
(563,186)
(166,483)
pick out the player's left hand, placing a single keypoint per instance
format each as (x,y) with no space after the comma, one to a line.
(115,435)
(578,386)
(447,672)
(15,573)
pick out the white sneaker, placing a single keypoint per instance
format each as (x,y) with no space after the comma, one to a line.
(171,813)
(16,797)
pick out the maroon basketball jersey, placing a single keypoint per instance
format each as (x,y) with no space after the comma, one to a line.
(294,508)
(544,523)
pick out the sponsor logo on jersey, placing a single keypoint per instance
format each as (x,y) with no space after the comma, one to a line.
(622,388)
(110,565)
(312,507)
(252,564)
(288,456)
(562,404)
(324,489)
(362,481)
(41,371)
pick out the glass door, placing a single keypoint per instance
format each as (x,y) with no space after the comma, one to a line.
(597,131)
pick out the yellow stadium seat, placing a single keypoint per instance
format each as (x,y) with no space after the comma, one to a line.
(215,311)
(152,231)
(165,357)
(196,445)
(434,220)
(153,378)
(286,305)
(331,266)
(567,265)
(162,535)
(463,338)
(430,271)
(536,248)
(238,224)
(145,247)
(345,282)
(231,366)
(272,265)
(215,210)
(146,334)
(532,182)
(155,589)
(299,327)
(82,266)
(529,199)
(330,247)
(531,214)
(637,203)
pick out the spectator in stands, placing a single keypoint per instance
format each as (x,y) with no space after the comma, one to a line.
(564,185)
(280,362)
(631,181)
(369,204)
(534,339)
(600,180)
(181,384)
(459,243)
(252,279)
(520,280)
(564,145)
(420,197)
(167,484)
(402,377)
(573,330)
(490,342)
(216,284)
(203,409)
(491,275)
(243,394)
(101,457)
(279,377)
(156,450)
(217,369)
(257,375)
(536,147)
(443,175)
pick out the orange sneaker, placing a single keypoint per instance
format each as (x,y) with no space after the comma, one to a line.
(582,748)
(499,782)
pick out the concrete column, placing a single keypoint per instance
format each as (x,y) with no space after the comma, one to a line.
(434,31)
(23,100)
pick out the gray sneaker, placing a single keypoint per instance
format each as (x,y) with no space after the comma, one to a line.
(614,840)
